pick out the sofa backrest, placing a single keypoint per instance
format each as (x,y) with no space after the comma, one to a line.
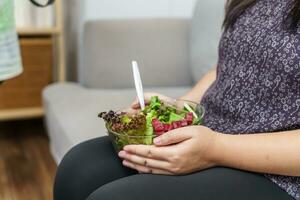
(159,45)
(205,34)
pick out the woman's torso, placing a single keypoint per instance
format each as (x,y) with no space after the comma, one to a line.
(257,89)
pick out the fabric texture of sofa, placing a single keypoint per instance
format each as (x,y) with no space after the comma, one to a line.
(173,54)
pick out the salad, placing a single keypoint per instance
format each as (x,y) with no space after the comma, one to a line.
(156,119)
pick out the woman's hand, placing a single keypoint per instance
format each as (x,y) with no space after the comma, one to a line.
(181,151)
(135,105)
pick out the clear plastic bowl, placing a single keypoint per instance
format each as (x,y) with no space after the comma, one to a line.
(119,140)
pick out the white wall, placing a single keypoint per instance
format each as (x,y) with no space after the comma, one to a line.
(103,9)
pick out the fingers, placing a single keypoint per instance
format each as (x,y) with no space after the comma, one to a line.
(148,151)
(135,105)
(130,111)
(144,161)
(145,170)
(147,97)
(172,137)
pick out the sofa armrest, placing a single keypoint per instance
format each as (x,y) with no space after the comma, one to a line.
(159,45)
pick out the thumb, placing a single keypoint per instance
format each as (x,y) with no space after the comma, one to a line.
(172,137)
(135,104)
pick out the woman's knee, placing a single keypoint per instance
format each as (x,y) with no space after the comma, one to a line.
(77,168)
(86,167)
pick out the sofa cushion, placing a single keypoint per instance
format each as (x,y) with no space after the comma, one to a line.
(159,45)
(71,112)
(205,34)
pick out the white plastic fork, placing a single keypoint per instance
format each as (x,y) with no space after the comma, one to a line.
(138,84)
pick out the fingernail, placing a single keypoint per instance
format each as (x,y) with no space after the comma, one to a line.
(157,140)
(125,163)
(121,153)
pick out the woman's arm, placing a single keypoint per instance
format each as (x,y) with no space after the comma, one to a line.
(200,88)
(198,148)
(274,153)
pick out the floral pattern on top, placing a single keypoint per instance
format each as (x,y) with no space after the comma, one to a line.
(257,89)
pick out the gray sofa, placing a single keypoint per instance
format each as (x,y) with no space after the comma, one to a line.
(172,53)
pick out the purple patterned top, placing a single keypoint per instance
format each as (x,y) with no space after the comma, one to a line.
(258,78)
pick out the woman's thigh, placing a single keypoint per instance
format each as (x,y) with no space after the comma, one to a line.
(87,167)
(212,184)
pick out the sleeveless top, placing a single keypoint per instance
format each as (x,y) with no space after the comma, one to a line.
(257,89)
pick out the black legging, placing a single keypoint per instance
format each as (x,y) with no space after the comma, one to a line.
(93,171)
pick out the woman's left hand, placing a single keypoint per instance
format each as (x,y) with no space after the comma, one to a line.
(181,151)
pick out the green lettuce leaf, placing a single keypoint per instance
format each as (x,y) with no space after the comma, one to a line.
(149,128)
(126,119)
(175,117)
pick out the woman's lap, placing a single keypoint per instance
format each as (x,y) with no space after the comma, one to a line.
(93,169)
(211,184)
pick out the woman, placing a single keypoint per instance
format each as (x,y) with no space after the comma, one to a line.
(249,145)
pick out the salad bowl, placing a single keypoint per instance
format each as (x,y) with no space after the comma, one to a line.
(156,119)
(120,140)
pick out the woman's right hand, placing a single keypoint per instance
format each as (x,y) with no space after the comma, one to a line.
(135,105)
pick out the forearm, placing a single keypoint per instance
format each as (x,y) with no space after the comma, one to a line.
(200,88)
(274,153)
